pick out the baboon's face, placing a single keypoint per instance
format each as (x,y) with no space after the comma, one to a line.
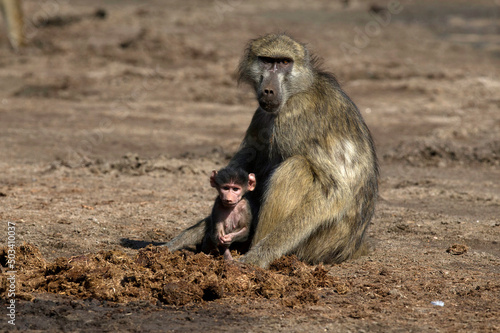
(231,194)
(270,91)
(278,68)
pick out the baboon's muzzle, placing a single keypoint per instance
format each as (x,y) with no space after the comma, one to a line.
(269,94)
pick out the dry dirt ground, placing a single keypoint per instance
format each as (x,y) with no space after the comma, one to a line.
(113,116)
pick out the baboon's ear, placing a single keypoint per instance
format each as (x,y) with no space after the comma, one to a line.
(212,179)
(251,182)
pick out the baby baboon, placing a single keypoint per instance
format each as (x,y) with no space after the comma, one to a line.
(313,155)
(231,215)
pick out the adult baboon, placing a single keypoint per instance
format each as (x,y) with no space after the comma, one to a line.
(312,154)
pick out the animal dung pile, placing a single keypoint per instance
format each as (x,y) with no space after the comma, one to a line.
(157,275)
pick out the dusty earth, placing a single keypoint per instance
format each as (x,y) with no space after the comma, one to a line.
(113,116)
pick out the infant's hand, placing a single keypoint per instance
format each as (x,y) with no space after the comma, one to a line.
(226,239)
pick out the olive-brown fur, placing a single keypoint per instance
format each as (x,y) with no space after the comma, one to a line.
(314,159)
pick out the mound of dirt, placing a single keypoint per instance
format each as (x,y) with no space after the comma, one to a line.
(438,153)
(157,275)
(135,165)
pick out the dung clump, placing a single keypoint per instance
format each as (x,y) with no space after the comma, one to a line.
(156,275)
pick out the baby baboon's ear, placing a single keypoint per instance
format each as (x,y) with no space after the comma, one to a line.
(213,183)
(251,182)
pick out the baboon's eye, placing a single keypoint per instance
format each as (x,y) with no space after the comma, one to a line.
(286,62)
(266,60)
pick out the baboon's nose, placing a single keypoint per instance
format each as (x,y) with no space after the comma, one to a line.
(268,92)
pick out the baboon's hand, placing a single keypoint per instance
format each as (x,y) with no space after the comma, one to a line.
(255,258)
(226,239)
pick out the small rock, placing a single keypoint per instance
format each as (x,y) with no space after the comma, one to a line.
(457,249)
